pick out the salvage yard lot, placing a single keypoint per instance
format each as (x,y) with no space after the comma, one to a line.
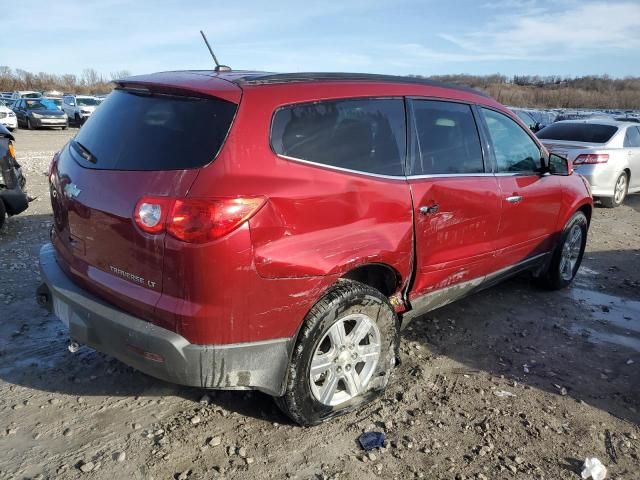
(569,360)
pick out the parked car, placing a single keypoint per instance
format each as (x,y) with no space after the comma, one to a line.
(273,231)
(7,117)
(38,113)
(18,94)
(605,152)
(79,107)
(13,195)
(527,119)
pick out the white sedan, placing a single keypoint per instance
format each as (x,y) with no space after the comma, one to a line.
(7,117)
(605,152)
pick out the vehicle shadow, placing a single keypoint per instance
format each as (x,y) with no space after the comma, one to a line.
(633,201)
(574,342)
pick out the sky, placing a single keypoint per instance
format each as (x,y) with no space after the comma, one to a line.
(429,37)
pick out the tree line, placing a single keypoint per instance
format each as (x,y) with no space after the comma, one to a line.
(89,82)
(593,91)
(552,91)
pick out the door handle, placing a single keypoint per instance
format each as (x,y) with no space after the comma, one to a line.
(428,210)
(514,199)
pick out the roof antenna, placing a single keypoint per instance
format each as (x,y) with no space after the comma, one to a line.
(219,68)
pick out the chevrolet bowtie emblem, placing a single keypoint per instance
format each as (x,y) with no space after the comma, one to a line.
(71,190)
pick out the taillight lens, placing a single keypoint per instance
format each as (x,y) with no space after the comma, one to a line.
(195,220)
(12,150)
(590,158)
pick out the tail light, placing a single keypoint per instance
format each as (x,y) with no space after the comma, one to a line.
(590,158)
(195,220)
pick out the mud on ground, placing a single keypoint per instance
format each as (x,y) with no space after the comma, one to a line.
(568,361)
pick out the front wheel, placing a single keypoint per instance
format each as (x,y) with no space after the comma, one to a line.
(620,190)
(344,354)
(567,256)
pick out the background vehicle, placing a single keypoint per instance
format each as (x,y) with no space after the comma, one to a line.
(605,152)
(79,107)
(7,117)
(335,201)
(13,197)
(37,113)
(18,94)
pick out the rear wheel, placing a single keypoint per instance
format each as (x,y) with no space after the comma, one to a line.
(619,192)
(567,256)
(344,354)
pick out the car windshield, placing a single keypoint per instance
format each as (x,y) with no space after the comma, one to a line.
(31,95)
(578,132)
(40,105)
(87,102)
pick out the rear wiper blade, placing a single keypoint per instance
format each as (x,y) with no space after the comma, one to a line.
(84,152)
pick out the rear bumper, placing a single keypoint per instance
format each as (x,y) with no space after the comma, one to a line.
(601,177)
(154,350)
(9,122)
(15,200)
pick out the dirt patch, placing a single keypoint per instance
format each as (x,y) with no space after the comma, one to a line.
(513,382)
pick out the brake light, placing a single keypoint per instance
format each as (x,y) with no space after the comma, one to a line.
(195,220)
(590,158)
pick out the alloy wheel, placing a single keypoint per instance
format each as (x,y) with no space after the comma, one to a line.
(345,359)
(620,189)
(571,252)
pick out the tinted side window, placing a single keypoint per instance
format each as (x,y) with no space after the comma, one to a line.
(366,135)
(447,139)
(514,149)
(632,138)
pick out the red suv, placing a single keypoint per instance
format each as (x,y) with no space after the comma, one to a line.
(245,230)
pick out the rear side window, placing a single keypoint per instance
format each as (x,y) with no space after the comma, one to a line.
(140,131)
(578,132)
(447,140)
(632,137)
(365,135)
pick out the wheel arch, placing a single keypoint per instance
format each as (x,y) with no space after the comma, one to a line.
(382,277)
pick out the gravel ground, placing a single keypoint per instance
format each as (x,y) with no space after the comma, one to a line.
(512,382)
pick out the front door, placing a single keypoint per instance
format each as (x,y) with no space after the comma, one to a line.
(530,202)
(456,201)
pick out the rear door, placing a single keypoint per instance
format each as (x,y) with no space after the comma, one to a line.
(632,145)
(530,202)
(139,143)
(455,198)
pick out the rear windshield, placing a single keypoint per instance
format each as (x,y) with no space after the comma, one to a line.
(578,132)
(140,131)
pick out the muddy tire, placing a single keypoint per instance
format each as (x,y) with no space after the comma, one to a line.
(3,213)
(344,355)
(620,190)
(567,255)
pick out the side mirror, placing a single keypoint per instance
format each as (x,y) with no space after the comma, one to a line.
(559,165)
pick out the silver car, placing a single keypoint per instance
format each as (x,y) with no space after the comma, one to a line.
(606,152)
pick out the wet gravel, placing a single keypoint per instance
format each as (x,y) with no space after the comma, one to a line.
(513,382)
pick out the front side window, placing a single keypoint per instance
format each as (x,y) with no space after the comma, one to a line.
(632,138)
(365,135)
(447,140)
(514,149)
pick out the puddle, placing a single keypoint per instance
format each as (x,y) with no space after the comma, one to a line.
(611,319)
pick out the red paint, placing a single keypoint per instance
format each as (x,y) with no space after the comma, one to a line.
(258,280)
